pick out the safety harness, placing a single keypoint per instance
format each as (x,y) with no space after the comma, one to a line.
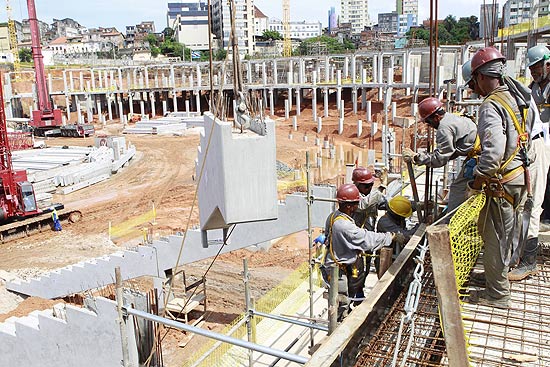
(343,267)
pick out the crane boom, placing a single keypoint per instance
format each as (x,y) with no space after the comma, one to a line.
(287,44)
(13,41)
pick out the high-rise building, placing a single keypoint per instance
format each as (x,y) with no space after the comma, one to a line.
(332,20)
(355,12)
(190,24)
(298,30)
(388,22)
(488,20)
(407,11)
(521,11)
(244,24)
(261,22)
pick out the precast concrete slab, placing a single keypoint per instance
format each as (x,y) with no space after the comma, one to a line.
(161,255)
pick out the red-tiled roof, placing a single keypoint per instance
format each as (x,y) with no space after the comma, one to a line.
(258,13)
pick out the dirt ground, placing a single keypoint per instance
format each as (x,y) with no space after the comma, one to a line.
(163,172)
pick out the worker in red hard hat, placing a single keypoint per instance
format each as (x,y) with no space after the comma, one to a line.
(455,137)
(370,200)
(504,124)
(538,62)
(346,242)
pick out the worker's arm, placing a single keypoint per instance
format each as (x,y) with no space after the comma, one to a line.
(446,147)
(359,239)
(493,140)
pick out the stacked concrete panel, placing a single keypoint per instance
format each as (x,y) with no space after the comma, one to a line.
(152,260)
(165,125)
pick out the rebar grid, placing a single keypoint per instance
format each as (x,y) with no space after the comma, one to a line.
(496,337)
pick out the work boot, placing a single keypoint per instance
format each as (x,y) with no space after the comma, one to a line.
(528,263)
(544,227)
(483,299)
(477,278)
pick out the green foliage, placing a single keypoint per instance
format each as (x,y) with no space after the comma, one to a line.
(333,46)
(450,31)
(25,55)
(220,54)
(155,51)
(274,35)
(152,40)
(168,32)
(173,49)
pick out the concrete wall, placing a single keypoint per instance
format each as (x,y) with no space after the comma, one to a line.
(162,254)
(68,336)
(239,179)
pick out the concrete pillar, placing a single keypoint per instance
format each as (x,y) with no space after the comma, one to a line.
(113,81)
(164,107)
(199,76)
(298,107)
(290,79)
(156,80)
(327,69)
(314,77)
(317,141)
(341,104)
(363,76)
(146,71)
(289,99)
(363,98)
(92,78)
(131,103)
(346,68)
(353,71)
(187,107)
(314,103)
(134,78)
(172,77)
(64,80)
(264,74)
(380,69)
(191,81)
(393,111)
(275,73)
(198,100)
(120,86)
(71,81)
(369,111)
(89,108)
(416,76)
(109,107)
(67,103)
(326,143)
(271,104)
(340,126)
(380,94)
(286,109)
(81,78)
(120,111)
(100,79)
(305,137)
(128,81)
(406,72)
(152,100)
(389,74)
(295,123)
(319,125)
(359,127)
(354,100)
(326,102)
(375,68)
(302,71)
(142,107)
(78,112)
(175,99)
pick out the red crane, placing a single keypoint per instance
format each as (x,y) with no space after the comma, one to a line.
(46,117)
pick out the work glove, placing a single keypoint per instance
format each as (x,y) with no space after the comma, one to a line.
(399,238)
(471,191)
(408,155)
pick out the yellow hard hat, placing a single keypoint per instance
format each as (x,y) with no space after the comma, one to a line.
(401,206)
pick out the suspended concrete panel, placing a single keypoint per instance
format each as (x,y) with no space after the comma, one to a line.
(239,181)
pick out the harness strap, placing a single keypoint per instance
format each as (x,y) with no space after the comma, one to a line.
(330,248)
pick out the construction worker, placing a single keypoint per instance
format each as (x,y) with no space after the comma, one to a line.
(467,75)
(500,170)
(538,61)
(455,137)
(346,242)
(56,222)
(371,200)
(399,208)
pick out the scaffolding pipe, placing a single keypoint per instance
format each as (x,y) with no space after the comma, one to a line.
(310,246)
(216,336)
(291,321)
(249,313)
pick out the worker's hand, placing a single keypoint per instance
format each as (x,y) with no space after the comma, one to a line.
(399,238)
(408,155)
(472,191)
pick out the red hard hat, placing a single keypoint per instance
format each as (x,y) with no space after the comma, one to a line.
(362,175)
(347,193)
(428,107)
(485,55)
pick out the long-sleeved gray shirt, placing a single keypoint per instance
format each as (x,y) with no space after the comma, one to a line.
(387,223)
(365,216)
(542,99)
(498,136)
(455,137)
(347,240)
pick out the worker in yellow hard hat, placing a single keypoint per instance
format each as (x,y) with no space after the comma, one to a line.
(399,208)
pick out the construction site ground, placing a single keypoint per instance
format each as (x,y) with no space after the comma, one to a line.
(163,172)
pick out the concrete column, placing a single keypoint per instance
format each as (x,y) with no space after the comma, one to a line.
(380,69)
(71,81)
(406,72)
(319,125)
(109,107)
(249,72)
(302,71)
(128,81)
(164,107)
(81,78)
(156,80)
(314,103)
(120,111)
(363,76)
(275,73)
(359,127)
(191,81)
(152,100)
(363,98)
(286,109)
(340,126)
(146,72)
(290,79)
(131,103)
(375,68)
(187,107)
(353,70)
(380,94)
(393,111)
(142,107)
(314,77)
(264,74)
(342,110)
(295,123)
(134,78)
(79,112)
(199,76)
(198,100)
(354,100)
(326,102)
(289,99)
(346,68)
(389,73)
(327,69)
(67,103)
(100,79)
(89,108)
(172,77)
(92,77)
(369,111)
(416,76)
(64,80)
(298,104)
(175,100)
(271,104)
(120,86)
(113,82)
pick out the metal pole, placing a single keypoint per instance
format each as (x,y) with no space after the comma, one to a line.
(249,314)
(217,336)
(290,321)
(211,65)
(333,300)
(121,317)
(310,245)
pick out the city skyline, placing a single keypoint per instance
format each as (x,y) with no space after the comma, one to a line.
(121,13)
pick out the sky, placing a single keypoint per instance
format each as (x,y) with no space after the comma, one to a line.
(120,13)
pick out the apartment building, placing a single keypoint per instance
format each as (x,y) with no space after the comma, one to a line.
(244,24)
(190,24)
(355,12)
(298,30)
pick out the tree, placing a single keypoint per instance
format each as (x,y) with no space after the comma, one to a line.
(272,35)
(450,31)
(152,40)
(25,55)
(168,32)
(220,54)
(333,46)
